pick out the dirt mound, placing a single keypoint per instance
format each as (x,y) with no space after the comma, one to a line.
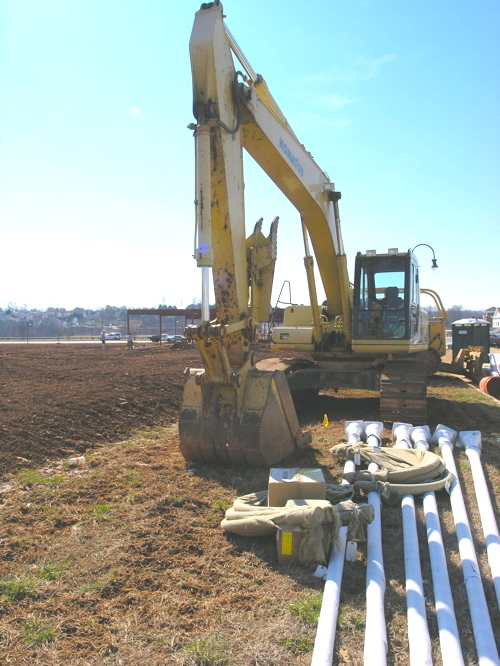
(59,399)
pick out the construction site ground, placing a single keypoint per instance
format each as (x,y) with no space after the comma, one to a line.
(122,560)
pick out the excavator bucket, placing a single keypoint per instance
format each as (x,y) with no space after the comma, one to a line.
(249,422)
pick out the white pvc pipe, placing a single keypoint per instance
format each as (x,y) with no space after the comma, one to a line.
(401,435)
(420,436)
(418,629)
(354,431)
(471,440)
(373,433)
(327,622)
(481,623)
(375,650)
(449,639)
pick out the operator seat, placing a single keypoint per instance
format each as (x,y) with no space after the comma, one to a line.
(393,315)
(392,301)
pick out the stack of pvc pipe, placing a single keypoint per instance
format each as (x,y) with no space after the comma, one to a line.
(375,635)
(481,623)
(470,440)
(418,630)
(449,639)
(375,649)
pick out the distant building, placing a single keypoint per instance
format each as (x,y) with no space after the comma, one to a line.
(493,316)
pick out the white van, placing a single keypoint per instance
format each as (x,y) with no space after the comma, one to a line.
(113,336)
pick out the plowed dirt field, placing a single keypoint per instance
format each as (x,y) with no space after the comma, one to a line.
(122,560)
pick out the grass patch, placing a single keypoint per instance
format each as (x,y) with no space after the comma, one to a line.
(173,501)
(99,512)
(351,619)
(460,393)
(307,610)
(130,478)
(148,433)
(221,505)
(38,632)
(298,646)
(51,514)
(213,650)
(91,585)
(52,570)
(30,477)
(127,443)
(16,588)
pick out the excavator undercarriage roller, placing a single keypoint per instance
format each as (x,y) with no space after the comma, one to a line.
(403,393)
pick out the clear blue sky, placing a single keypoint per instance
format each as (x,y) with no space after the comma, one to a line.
(397,101)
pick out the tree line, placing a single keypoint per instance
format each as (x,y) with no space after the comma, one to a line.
(21,322)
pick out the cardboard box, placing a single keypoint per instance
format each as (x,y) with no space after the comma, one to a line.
(295,483)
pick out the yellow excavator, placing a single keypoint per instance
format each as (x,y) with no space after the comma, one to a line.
(372,335)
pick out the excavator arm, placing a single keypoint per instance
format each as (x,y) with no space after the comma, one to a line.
(235,111)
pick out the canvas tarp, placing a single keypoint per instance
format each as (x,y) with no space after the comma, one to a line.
(249,516)
(401,471)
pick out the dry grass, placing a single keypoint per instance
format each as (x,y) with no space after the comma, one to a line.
(123,561)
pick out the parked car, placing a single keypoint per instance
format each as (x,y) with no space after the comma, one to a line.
(495,339)
(166,337)
(113,336)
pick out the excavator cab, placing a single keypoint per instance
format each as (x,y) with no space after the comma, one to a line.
(386,303)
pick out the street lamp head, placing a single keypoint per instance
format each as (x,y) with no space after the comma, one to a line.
(434,266)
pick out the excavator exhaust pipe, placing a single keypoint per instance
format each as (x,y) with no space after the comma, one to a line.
(251,421)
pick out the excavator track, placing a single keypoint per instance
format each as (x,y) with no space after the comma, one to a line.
(403,393)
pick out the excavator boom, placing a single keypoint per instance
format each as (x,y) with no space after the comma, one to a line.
(232,412)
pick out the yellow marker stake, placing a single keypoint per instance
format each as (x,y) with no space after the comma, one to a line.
(325,420)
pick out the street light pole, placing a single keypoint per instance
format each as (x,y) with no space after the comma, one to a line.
(434,260)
